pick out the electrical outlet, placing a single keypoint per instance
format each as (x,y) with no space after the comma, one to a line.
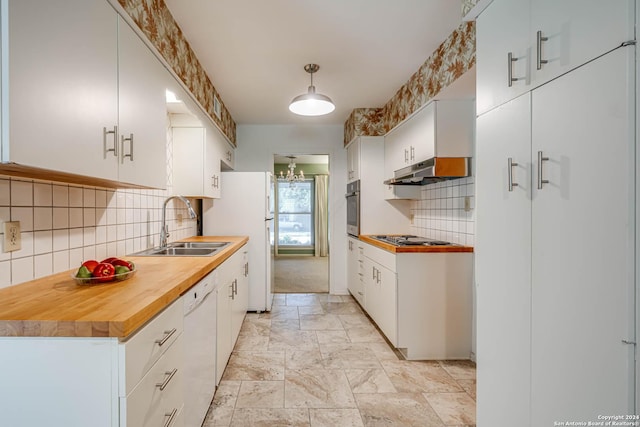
(12,236)
(467,203)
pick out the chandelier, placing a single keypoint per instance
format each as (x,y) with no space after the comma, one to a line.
(291,177)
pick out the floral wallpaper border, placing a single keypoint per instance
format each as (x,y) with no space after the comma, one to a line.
(156,22)
(454,57)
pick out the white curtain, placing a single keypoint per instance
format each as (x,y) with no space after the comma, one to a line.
(321,216)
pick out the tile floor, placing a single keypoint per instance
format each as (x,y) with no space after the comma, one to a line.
(317,360)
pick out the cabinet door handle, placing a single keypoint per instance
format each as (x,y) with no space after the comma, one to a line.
(167,335)
(406,155)
(232,296)
(106,132)
(164,383)
(413,153)
(130,155)
(373,270)
(378,276)
(539,40)
(510,165)
(171,416)
(360,293)
(541,159)
(510,61)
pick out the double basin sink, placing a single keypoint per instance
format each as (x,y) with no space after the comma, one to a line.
(185,249)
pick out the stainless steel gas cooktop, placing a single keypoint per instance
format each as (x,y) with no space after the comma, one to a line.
(408,240)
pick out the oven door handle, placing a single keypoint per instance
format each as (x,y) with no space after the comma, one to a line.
(354,193)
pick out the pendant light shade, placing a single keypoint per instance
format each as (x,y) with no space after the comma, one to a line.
(311,103)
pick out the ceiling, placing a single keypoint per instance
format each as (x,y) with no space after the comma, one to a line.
(321,159)
(254,51)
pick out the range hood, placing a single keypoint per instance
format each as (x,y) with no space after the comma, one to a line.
(432,170)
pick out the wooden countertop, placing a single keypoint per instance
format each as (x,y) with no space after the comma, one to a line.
(415,249)
(55,306)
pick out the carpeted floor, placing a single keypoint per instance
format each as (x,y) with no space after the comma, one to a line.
(301,274)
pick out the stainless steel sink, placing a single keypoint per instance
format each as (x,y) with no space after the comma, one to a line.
(217,245)
(185,249)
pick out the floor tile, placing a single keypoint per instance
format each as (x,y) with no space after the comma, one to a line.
(320,322)
(317,388)
(335,418)
(344,356)
(299,360)
(355,320)
(454,409)
(221,409)
(369,381)
(397,409)
(311,309)
(285,324)
(285,339)
(256,326)
(364,334)
(460,369)
(341,308)
(469,386)
(261,394)
(302,299)
(332,337)
(284,312)
(251,417)
(252,343)
(255,366)
(383,351)
(419,377)
(279,299)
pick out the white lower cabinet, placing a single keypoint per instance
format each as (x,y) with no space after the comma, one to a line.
(232,303)
(355,269)
(78,382)
(422,302)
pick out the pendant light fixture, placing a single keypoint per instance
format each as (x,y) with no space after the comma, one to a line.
(291,177)
(311,103)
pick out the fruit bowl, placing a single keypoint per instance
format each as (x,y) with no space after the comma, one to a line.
(103,280)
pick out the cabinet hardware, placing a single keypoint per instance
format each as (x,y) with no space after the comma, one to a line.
(378,276)
(232,296)
(373,270)
(235,286)
(406,155)
(360,293)
(628,342)
(167,335)
(130,155)
(171,416)
(106,132)
(539,40)
(413,153)
(510,165)
(510,61)
(541,159)
(164,383)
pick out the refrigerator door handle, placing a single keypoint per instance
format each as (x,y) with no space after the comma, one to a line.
(268,219)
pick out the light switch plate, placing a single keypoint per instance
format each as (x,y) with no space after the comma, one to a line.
(467,203)
(12,236)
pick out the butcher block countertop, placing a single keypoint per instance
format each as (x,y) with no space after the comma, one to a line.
(56,306)
(414,249)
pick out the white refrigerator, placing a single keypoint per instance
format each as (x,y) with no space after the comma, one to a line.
(246,209)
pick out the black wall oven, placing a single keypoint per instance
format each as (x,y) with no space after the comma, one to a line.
(353,208)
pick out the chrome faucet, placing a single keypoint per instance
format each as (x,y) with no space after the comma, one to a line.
(164,231)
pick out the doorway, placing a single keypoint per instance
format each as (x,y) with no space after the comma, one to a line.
(301,236)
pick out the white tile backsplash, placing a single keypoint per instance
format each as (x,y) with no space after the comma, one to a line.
(84,223)
(440,214)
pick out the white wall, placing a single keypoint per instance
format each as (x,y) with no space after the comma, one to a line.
(258,143)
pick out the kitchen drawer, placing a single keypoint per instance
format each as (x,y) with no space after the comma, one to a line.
(147,404)
(146,346)
(358,291)
(382,257)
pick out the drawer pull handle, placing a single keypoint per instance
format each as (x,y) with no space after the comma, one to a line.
(164,383)
(106,132)
(510,61)
(539,40)
(167,335)
(171,416)
(360,293)
(510,165)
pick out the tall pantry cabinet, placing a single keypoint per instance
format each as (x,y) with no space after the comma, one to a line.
(555,250)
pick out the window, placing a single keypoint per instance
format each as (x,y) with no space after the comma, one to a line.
(295,214)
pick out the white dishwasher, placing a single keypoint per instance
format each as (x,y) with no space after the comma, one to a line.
(199,340)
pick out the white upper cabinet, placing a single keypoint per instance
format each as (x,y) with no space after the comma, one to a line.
(442,128)
(79,84)
(62,78)
(227,155)
(142,112)
(530,42)
(353,160)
